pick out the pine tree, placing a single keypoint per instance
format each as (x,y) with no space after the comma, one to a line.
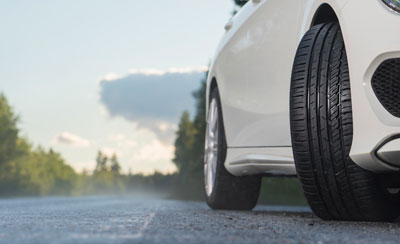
(8,132)
(115,167)
(189,148)
(199,123)
(101,162)
(184,144)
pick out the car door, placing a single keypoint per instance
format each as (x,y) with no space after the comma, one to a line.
(232,76)
(274,30)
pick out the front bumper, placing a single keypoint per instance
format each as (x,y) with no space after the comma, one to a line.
(371,37)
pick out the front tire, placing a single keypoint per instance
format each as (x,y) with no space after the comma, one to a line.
(322,130)
(223,190)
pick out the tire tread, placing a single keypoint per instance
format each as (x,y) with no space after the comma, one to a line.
(322,131)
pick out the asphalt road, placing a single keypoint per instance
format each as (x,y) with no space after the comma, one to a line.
(146,220)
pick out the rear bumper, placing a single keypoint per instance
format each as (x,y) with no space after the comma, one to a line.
(371,37)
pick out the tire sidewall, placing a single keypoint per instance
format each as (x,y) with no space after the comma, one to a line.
(222,148)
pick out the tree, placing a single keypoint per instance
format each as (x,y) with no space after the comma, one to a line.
(189,144)
(115,167)
(25,170)
(106,178)
(200,124)
(189,147)
(101,162)
(184,144)
(8,131)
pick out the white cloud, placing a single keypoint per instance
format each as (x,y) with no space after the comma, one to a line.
(196,69)
(153,71)
(117,137)
(153,152)
(141,151)
(185,70)
(70,139)
(154,156)
(146,72)
(110,77)
(164,130)
(164,127)
(138,149)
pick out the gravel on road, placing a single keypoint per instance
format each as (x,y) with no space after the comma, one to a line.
(149,220)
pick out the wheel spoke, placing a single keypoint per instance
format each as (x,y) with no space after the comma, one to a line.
(214,117)
(211,147)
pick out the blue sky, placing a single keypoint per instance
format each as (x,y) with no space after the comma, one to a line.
(59,60)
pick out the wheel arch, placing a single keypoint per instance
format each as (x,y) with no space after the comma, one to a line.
(324,14)
(321,11)
(211,85)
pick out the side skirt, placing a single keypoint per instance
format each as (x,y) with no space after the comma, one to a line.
(275,161)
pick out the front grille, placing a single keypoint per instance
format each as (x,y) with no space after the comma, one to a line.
(386,85)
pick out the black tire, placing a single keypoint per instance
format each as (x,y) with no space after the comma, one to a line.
(230,192)
(322,131)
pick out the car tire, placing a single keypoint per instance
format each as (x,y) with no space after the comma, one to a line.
(322,131)
(227,191)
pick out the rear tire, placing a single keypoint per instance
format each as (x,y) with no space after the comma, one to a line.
(227,191)
(322,131)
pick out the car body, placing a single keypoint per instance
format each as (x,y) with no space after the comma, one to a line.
(308,88)
(252,70)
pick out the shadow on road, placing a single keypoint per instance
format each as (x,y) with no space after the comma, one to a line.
(304,214)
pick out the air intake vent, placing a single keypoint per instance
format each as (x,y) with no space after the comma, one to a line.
(386,85)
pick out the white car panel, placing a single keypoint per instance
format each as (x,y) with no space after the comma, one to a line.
(252,69)
(248,161)
(371,36)
(233,85)
(272,33)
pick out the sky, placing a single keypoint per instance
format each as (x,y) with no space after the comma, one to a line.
(107,75)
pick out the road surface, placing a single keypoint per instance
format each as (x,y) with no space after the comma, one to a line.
(146,220)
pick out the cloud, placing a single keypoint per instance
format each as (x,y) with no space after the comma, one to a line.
(156,155)
(141,151)
(185,70)
(67,138)
(152,94)
(153,152)
(152,98)
(110,77)
(117,137)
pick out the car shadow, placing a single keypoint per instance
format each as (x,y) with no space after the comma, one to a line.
(305,214)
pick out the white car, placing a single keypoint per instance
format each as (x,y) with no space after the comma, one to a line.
(308,88)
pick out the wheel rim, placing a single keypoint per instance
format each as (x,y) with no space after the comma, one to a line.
(211,148)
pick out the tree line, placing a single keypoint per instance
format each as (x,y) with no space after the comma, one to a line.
(26,170)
